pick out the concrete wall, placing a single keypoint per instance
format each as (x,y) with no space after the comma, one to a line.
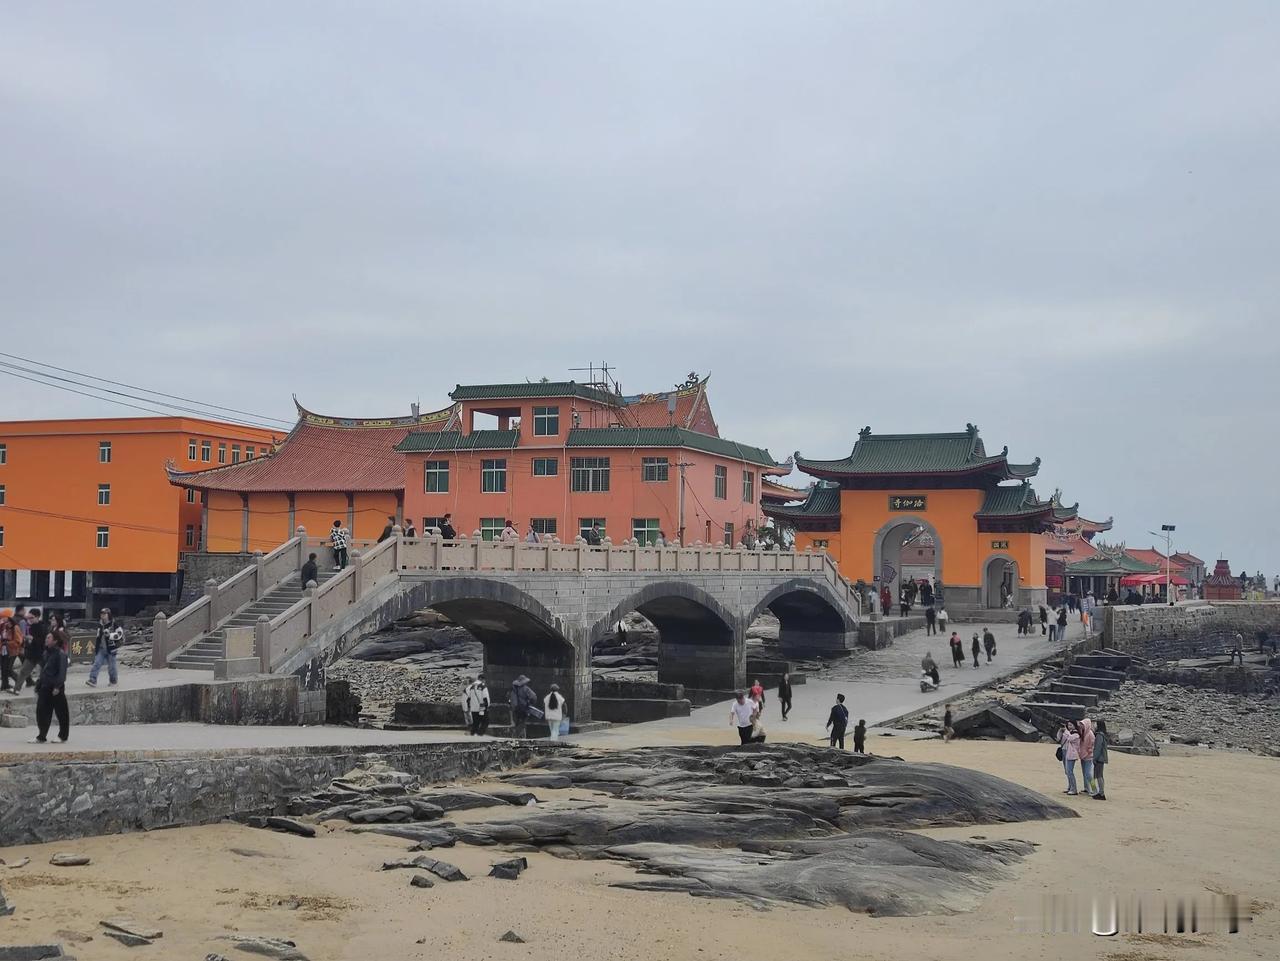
(1161,631)
(49,799)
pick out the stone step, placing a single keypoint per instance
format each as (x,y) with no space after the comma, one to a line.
(1067,712)
(1083,670)
(1064,697)
(992,715)
(1071,677)
(1067,687)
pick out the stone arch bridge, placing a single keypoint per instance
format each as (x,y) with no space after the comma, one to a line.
(537,609)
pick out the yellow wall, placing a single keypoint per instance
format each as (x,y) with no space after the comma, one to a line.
(225,519)
(317,512)
(965,551)
(268,521)
(371,512)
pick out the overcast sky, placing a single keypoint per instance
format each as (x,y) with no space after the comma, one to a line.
(1057,221)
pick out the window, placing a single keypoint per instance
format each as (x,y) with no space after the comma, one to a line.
(104,452)
(493,476)
(248,453)
(589,473)
(748,486)
(191,449)
(104,536)
(654,468)
(1,495)
(645,530)
(728,533)
(722,483)
(585,524)
(544,526)
(436,477)
(206,451)
(4,453)
(546,421)
(222,453)
(546,467)
(104,495)
(820,543)
(191,495)
(191,535)
(1,537)
(428,523)
(235,453)
(491,527)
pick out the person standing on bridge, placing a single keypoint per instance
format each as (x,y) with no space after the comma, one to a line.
(532,536)
(509,533)
(524,705)
(339,539)
(446,528)
(386,531)
(409,529)
(593,535)
(784,695)
(838,721)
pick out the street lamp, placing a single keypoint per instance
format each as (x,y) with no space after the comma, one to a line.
(1166,531)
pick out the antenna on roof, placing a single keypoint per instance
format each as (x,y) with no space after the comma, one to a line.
(599,377)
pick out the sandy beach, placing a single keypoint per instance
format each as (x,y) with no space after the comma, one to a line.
(1175,826)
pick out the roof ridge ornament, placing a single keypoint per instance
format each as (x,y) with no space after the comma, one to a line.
(864,433)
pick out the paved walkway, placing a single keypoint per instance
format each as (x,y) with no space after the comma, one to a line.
(130,679)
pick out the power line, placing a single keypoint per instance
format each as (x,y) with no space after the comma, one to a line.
(145,390)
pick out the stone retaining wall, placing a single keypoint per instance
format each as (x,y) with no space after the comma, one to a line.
(1163,632)
(55,798)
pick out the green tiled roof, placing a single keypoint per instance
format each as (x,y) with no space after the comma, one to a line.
(426,441)
(961,452)
(554,388)
(1103,564)
(823,501)
(667,437)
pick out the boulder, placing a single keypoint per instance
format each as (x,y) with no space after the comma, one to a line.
(63,860)
(290,826)
(148,932)
(421,881)
(512,938)
(509,870)
(277,948)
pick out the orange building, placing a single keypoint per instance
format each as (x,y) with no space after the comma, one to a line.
(87,518)
(893,488)
(559,455)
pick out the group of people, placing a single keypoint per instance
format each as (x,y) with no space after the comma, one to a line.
(838,723)
(746,713)
(911,592)
(1084,741)
(977,646)
(524,704)
(40,645)
(1054,625)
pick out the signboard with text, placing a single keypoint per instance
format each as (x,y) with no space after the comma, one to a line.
(908,502)
(999,545)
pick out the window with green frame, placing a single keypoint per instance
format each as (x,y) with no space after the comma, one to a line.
(584,525)
(491,528)
(546,421)
(493,476)
(645,530)
(546,467)
(722,482)
(654,469)
(589,474)
(435,476)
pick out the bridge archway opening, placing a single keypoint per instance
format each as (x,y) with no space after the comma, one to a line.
(807,622)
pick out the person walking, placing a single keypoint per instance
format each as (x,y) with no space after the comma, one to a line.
(387,529)
(886,601)
(1062,624)
(1099,785)
(904,603)
(989,643)
(446,528)
(11,637)
(948,732)
(339,540)
(32,650)
(410,530)
(860,736)
(757,725)
(837,721)
(757,694)
(104,648)
(957,649)
(930,621)
(784,695)
(51,692)
(465,701)
(1069,751)
(976,648)
(741,713)
(523,700)
(310,572)
(509,533)
(1044,620)
(1024,621)
(942,620)
(478,705)
(553,708)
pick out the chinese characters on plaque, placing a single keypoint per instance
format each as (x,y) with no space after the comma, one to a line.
(905,502)
(999,545)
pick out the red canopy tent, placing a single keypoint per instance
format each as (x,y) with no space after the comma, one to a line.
(1155,580)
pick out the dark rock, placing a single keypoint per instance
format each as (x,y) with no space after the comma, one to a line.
(508,870)
(421,881)
(127,939)
(291,826)
(549,781)
(445,870)
(30,952)
(382,815)
(427,836)
(512,938)
(147,932)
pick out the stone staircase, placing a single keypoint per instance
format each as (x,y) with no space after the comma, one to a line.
(200,654)
(1090,678)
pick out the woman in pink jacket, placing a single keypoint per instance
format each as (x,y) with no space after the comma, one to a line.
(1069,739)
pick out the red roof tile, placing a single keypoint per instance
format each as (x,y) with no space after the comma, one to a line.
(692,410)
(324,454)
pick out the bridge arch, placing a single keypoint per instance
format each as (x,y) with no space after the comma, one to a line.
(810,618)
(701,643)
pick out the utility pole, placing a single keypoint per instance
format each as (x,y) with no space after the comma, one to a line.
(682,465)
(1167,532)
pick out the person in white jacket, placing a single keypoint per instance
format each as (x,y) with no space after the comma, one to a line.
(553,708)
(477,706)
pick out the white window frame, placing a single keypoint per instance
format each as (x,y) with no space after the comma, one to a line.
(544,526)
(104,538)
(104,452)
(193,447)
(104,495)
(721,475)
(589,475)
(645,530)
(222,452)
(553,461)
(206,452)
(491,528)
(545,418)
(493,475)
(438,472)
(748,486)
(655,470)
